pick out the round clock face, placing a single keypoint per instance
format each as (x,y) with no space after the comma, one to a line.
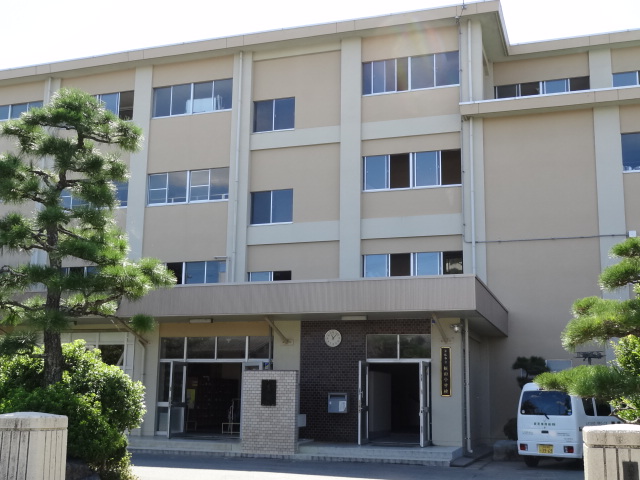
(332,338)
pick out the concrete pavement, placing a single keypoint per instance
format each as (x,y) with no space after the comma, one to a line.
(200,467)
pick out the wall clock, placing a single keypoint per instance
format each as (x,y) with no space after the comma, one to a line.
(332,338)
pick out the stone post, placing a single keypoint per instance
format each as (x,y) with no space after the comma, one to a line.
(33,446)
(611,452)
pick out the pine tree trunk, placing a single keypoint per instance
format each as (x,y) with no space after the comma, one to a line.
(53,360)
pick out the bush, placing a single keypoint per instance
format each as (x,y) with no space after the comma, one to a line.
(101,401)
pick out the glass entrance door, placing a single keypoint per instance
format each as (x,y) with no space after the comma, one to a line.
(177,400)
(425,403)
(363,403)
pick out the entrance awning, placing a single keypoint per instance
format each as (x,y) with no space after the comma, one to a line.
(450,296)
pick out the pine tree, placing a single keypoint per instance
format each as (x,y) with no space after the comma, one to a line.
(69,146)
(597,319)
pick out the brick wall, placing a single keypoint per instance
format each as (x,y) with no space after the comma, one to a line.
(324,370)
(270,430)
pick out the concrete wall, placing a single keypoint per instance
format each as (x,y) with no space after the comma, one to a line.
(611,452)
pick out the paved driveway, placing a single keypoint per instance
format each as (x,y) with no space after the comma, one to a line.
(201,467)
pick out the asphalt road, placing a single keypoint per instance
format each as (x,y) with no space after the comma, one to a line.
(201,467)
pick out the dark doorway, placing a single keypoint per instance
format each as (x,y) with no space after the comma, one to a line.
(213,399)
(394,403)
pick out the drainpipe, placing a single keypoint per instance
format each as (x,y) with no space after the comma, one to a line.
(231,274)
(467,390)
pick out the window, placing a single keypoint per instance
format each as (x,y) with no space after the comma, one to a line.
(544,87)
(412,264)
(274,206)
(625,79)
(199,272)
(120,103)
(188,186)
(14,111)
(270,115)
(278,276)
(398,346)
(410,73)
(238,348)
(412,170)
(122,193)
(631,152)
(192,98)
(70,201)
(79,271)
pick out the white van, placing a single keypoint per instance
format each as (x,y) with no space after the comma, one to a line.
(550,423)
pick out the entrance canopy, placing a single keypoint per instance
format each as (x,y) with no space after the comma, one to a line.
(459,296)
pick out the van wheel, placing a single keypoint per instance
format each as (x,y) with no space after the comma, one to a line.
(531,461)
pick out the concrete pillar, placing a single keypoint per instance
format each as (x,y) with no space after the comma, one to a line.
(611,452)
(33,446)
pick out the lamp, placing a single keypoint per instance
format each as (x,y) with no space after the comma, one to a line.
(457,327)
(200,320)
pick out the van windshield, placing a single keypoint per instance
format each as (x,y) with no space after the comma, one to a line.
(545,403)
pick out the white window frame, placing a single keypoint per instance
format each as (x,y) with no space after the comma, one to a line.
(9,109)
(184,272)
(412,173)
(637,79)
(413,264)
(250,275)
(190,102)
(188,188)
(271,207)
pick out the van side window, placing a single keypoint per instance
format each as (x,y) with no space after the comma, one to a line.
(603,409)
(587,403)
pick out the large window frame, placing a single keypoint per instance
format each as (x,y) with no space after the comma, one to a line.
(630,152)
(272,207)
(188,186)
(119,103)
(272,276)
(626,79)
(441,168)
(274,115)
(412,264)
(411,73)
(542,87)
(13,111)
(200,272)
(193,98)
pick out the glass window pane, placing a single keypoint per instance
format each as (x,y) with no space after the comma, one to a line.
(376,265)
(177,187)
(122,192)
(400,264)
(202,97)
(215,271)
(163,382)
(231,347)
(587,403)
(263,116)
(259,276)
(110,101)
(415,346)
(162,102)
(18,109)
(531,88)
(390,76)
(112,354)
(450,167)
(366,78)
(422,72)
(281,275)
(402,74)
(506,91)
(65,198)
(579,83)
(172,347)
(375,172)
(452,263)
(181,99)
(378,77)
(219,183)
(157,196)
(282,206)
(4,112)
(260,207)
(222,94)
(399,171)
(602,409)
(382,346)
(556,86)
(625,79)
(194,272)
(546,403)
(426,172)
(201,347)
(631,151)
(34,105)
(447,68)
(158,180)
(259,347)
(427,263)
(284,117)
(176,269)
(199,181)
(125,111)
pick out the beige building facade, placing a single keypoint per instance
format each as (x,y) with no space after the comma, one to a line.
(394,207)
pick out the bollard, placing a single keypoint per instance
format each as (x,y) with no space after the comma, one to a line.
(33,446)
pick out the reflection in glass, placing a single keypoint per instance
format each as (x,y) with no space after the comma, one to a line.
(415,346)
(171,347)
(201,347)
(382,346)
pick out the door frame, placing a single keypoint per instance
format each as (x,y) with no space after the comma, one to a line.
(177,406)
(363,402)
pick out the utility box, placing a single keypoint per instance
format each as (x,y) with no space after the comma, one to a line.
(338,403)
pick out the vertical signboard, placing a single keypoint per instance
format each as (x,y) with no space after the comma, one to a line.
(445,371)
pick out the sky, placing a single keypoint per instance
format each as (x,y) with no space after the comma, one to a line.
(44,31)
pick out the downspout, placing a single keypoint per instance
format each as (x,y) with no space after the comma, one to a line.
(467,379)
(231,276)
(284,339)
